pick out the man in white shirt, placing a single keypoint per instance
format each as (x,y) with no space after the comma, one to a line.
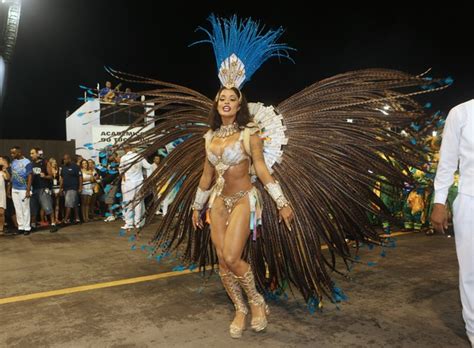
(131,168)
(154,165)
(457,147)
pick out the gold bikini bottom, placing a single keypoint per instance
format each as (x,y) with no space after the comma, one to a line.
(232,200)
(256,206)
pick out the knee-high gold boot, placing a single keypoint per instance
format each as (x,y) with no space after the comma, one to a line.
(234,291)
(247,282)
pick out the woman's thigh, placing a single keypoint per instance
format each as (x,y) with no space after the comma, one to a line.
(237,232)
(218,217)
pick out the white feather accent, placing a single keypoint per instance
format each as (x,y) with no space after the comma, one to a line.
(272,132)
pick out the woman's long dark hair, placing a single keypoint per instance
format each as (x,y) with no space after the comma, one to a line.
(243,115)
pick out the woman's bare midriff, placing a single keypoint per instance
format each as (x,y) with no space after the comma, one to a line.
(237,179)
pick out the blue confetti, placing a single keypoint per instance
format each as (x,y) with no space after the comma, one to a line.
(179,268)
(192,267)
(113,172)
(118,195)
(122,233)
(102,154)
(413,141)
(338,295)
(133,247)
(107,214)
(449,80)
(103,161)
(371,263)
(313,304)
(383,253)
(107,188)
(115,206)
(143,247)
(131,239)
(427,105)
(80,114)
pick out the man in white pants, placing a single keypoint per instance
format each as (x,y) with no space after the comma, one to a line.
(457,147)
(21,189)
(131,168)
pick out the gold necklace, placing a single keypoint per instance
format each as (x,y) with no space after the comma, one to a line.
(226,131)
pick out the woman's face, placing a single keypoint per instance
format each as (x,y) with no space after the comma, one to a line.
(91,164)
(84,165)
(228,103)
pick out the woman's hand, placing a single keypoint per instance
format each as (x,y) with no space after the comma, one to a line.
(286,214)
(197,221)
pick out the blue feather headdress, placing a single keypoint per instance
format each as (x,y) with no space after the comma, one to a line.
(241,47)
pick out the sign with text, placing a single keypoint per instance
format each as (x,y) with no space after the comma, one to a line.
(108,135)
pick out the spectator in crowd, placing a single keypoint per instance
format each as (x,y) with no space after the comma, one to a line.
(87,191)
(154,165)
(79,159)
(156,161)
(107,94)
(71,186)
(10,215)
(95,189)
(106,90)
(42,185)
(131,169)
(111,186)
(21,189)
(128,95)
(4,178)
(55,172)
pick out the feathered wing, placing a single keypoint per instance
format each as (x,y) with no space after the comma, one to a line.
(344,133)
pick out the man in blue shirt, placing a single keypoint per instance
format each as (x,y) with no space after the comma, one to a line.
(71,185)
(21,189)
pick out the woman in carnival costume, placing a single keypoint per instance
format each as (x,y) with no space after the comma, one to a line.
(268,186)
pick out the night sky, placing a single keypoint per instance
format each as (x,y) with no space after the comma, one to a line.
(64,43)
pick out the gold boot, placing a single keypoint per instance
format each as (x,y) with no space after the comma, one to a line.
(247,282)
(235,293)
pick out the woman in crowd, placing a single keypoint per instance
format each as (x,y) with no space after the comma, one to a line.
(88,181)
(95,189)
(56,171)
(4,178)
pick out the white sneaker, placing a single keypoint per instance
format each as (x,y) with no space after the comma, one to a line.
(110,218)
(126,227)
